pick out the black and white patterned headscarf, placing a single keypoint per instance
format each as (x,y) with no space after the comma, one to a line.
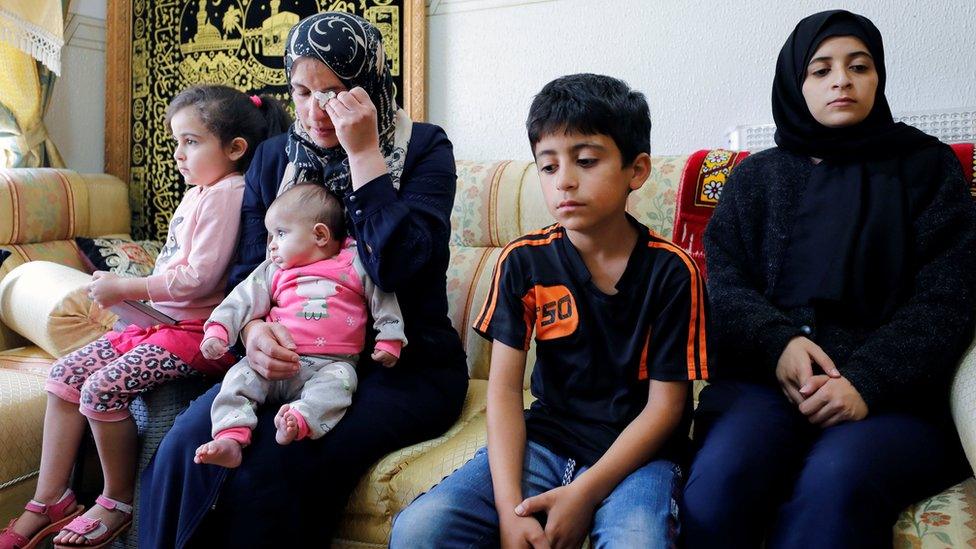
(353,49)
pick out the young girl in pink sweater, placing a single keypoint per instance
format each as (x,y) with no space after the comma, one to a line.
(216,129)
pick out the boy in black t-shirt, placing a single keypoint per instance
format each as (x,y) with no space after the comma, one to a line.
(619,316)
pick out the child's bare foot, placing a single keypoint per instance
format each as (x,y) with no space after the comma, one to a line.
(225,452)
(287,426)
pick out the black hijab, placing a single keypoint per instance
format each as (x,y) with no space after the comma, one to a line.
(851,242)
(353,49)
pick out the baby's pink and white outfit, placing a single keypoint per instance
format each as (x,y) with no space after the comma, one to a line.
(323,305)
(187,282)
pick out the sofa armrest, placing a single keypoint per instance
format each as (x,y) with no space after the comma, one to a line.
(48,304)
(963,401)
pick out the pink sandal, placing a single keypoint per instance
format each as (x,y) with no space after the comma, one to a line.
(95,533)
(60,513)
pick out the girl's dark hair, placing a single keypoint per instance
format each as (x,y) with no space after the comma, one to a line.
(229,113)
(592,104)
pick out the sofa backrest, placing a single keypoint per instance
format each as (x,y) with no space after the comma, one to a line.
(497,202)
(703,178)
(42,210)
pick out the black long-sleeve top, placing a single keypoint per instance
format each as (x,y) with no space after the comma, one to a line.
(907,363)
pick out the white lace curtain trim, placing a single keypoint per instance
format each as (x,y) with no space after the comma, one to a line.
(32,40)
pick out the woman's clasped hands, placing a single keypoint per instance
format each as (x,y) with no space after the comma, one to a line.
(825,399)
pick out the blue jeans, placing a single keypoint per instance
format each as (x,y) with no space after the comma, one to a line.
(642,510)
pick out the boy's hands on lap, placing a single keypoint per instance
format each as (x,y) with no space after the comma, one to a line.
(569,513)
(521,532)
(506,447)
(213,348)
(384,358)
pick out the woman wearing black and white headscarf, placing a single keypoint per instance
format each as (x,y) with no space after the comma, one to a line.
(367,116)
(396,179)
(842,279)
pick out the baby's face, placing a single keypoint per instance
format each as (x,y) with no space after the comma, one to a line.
(291,242)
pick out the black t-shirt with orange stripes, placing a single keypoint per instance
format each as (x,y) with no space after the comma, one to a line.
(596,353)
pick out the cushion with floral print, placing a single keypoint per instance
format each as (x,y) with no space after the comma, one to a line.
(124,257)
(944,520)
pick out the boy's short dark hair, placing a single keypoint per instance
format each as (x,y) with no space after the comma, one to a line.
(315,204)
(592,104)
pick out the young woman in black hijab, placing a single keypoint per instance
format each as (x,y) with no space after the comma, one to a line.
(842,279)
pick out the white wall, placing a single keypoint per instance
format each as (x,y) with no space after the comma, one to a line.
(75,119)
(705,66)
(90,8)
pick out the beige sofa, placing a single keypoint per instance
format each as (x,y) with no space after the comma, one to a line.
(496,202)
(41,211)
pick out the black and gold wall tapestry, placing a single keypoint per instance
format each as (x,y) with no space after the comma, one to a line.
(156,48)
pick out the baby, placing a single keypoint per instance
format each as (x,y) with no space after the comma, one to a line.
(314,284)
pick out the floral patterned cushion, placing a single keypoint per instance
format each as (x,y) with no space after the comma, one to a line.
(127,258)
(946,520)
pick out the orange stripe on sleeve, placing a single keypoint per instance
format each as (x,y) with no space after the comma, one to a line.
(642,370)
(528,303)
(696,325)
(551,233)
(702,346)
